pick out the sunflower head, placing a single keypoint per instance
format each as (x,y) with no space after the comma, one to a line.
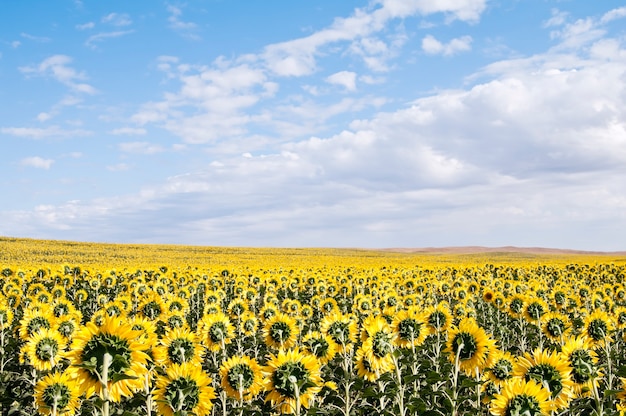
(242,377)
(57,394)
(184,390)
(520,397)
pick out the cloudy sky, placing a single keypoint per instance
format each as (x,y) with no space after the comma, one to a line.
(321,123)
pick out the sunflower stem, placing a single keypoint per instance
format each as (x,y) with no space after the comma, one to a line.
(106,363)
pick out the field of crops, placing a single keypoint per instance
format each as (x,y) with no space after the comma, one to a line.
(95,329)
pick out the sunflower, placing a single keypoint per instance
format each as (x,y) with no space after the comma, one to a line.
(321,346)
(292,378)
(534,309)
(555,326)
(152,307)
(113,348)
(242,378)
(410,327)
(364,367)
(341,328)
(598,328)
(248,324)
(551,370)
(45,349)
(6,315)
(57,394)
(34,320)
(470,344)
(184,389)
(501,368)
(281,331)
(439,317)
(146,328)
(515,306)
(520,397)
(216,331)
(178,346)
(584,363)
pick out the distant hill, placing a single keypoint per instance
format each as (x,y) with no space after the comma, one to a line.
(506,249)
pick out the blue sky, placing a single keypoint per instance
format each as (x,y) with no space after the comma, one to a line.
(386,123)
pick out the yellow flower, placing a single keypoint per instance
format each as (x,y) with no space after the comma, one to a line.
(34,320)
(216,331)
(555,326)
(292,379)
(521,398)
(584,363)
(184,389)
(471,344)
(242,377)
(45,349)
(598,328)
(57,394)
(438,317)
(410,327)
(501,368)
(178,346)
(280,331)
(115,346)
(341,328)
(321,346)
(551,370)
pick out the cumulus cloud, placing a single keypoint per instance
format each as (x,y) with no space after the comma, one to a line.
(37,162)
(432,46)
(346,79)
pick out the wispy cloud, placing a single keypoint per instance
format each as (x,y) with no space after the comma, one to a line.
(86,26)
(102,36)
(432,46)
(117,19)
(37,162)
(128,131)
(57,66)
(42,133)
(145,148)
(347,79)
(185,29)
(40,39)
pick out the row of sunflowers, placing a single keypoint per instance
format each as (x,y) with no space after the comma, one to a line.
(530,339)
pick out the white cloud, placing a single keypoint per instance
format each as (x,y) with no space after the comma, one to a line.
(186,29)
(57,66)
(86,26)
(346,79)
(432,46)
(558,18)
(42,133)
(614,14)
(40,39)
(100,37)
(37,162)
(120,167)
(117,19)
(145,148)
(129,131)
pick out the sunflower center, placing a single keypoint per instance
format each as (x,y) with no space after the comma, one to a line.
(502,369)
(285,374)
(101,344)
(555,327)
(217,333)
(180,350)
(58,393)
(582,365)
(318,346)
(46,349)
(36,324)
(66,328)
(182,394)
(176,321)
(547,376)
(60,310)
(249,325)
(597,329)
(339,332)
(409,328)
(437,319)
(465,345)
(535,310)
(280,332)
(381,344)
(240,377)
(516,305)
(152,309)
(523,405)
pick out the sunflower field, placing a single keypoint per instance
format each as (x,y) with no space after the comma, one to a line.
(95,329)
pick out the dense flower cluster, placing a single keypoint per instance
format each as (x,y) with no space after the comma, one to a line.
(325,338)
